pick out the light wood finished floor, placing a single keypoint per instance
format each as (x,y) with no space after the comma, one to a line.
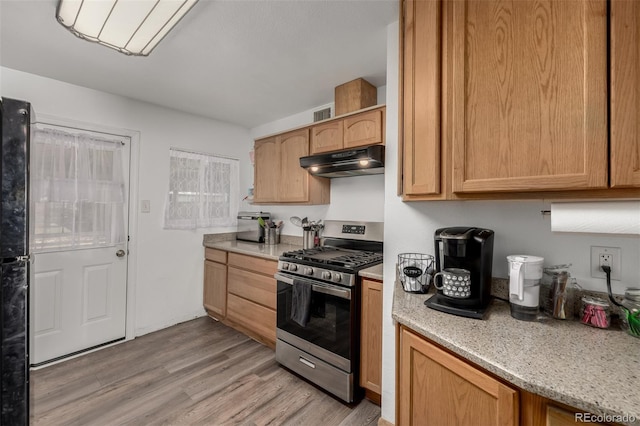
(198,372)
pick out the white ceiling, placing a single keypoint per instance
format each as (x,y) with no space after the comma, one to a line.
(245,62)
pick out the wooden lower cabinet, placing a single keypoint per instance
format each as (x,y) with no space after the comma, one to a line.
(241,292)
(371,339)
(251,296)
(215,283)
(540,411)
(437,388)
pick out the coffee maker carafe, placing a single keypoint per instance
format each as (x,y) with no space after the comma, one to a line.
(464,257)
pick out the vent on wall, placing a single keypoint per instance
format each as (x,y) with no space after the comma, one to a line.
(322,114)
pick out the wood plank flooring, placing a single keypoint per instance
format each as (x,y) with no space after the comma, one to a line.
(199,372)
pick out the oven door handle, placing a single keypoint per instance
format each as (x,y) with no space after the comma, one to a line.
(318,287)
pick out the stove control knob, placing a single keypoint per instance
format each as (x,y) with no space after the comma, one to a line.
(285,266)
(336,277)
(326,275)
(308,271)
(293,267)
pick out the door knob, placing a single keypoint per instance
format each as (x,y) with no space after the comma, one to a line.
(120,253)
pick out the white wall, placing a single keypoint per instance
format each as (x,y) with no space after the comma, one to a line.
(352,198)
(168,283)
(519,229)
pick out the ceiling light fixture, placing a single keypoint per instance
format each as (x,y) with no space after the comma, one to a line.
(130,27)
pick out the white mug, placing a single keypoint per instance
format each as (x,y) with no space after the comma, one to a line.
(456,282)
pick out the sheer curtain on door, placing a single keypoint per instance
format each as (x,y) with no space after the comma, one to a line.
(77,190)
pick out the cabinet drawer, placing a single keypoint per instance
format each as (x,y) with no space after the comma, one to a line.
(257,264)
(252,316)
(215,255)
(255,287)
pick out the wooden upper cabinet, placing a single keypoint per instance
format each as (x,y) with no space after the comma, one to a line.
(278,177)
(529,95)
(625,93)
(364,129)
(437,388)
(327,137)
(293,179)
(421,99)
(266,169)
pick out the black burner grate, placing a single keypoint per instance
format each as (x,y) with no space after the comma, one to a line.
(335,256)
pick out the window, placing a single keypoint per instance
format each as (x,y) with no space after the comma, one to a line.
(203,191)
(78,189)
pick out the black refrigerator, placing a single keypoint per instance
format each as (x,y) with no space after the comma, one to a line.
(14,261)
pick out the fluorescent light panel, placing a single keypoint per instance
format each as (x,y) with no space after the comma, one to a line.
(133,27)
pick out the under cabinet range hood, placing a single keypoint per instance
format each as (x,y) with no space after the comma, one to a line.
(353,162)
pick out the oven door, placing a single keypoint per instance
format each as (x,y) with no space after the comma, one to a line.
(330,332)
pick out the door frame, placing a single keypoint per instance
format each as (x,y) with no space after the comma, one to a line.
(132,244)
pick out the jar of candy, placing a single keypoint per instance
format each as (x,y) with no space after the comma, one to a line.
(595,312)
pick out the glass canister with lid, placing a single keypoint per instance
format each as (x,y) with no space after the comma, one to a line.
(595,311)
(632,303)
(560,292)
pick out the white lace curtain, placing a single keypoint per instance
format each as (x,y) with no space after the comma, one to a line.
(77,190)
(203,191)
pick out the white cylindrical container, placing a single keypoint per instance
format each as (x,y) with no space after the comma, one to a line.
(525,273)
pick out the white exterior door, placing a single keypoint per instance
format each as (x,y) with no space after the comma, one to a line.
(79,241)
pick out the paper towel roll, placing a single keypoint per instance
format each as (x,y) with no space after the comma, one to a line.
(609,217)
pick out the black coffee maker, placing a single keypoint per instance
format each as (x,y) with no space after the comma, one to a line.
(463,253)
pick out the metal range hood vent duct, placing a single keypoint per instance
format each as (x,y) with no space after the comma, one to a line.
(353,162)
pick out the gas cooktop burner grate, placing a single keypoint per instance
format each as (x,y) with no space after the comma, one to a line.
(335,256)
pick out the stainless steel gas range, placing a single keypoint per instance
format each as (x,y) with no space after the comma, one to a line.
(318,305)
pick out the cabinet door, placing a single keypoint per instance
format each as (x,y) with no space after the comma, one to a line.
(421,98)
(439,389)
(536,410)
(326,137)
(371,336)
(363,129)
(529,95)
(294,180)
(625,93)
(266,170)
(215,287)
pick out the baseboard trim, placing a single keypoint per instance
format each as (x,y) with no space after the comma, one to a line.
(383,422)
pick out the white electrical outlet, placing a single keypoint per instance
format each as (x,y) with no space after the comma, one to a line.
(145,206)
(609,256)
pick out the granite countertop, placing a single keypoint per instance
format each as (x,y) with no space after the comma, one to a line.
(375,272)
(588,368)
(266,251)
